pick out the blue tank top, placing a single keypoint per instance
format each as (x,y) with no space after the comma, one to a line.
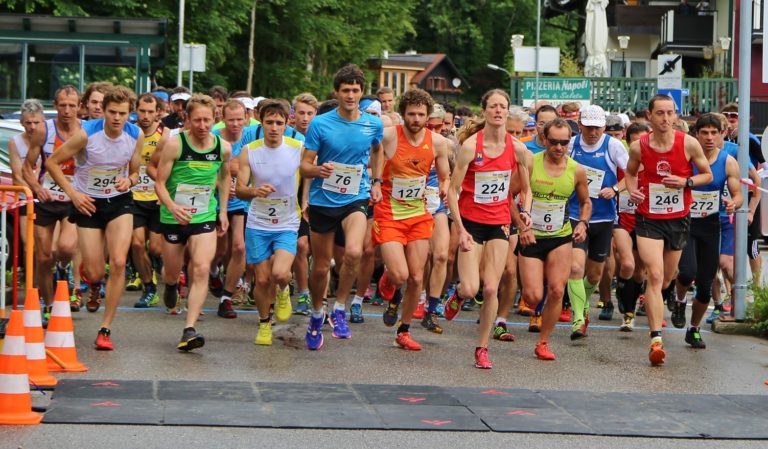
(596,164)
(706,199)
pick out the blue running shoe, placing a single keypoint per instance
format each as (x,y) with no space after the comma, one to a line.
(314,336)
(714,315)
(356,314)
(102,290)
(302,305)
(338,321)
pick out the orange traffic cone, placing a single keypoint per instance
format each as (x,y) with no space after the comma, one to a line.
(15,399)
(35,342)
(60,337)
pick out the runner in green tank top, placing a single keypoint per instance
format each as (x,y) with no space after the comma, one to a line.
(546,245)
(191,169)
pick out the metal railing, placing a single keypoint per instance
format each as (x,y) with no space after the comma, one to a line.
(631,94)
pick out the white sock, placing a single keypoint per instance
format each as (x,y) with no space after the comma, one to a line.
(357,300)
(339,306)
(500,320)
(224,297)
(317,313)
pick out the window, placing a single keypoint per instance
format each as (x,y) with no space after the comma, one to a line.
(629,69)
(403,86)
(386,80)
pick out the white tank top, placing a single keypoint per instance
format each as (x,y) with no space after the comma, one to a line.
(278,167)
(104,159)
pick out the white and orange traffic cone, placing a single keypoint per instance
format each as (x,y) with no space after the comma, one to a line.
(60,336)
(35,342)
(15,398)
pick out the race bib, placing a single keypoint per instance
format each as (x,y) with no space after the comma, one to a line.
(194,198)
(145,184)
(594,180)
(626,206)
(705,204)
(492,186)
(433,199)
(57,193)
(345,179)
(547,217)
(272,211)
(664,200)
(409,188)
(101,181)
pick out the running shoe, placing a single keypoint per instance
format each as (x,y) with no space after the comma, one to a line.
(390,314)
(104,340)
(240,297)
(726,306)
(420,311)
(524,309)
(430,323)
(714,315)
(693,338)
(468,305)
(405,341)
(369,292)
(607,313)
(190,340)
(102,289)
(543,352)
(283,307)
(314,337)
(565,315)
(148,299)
(452,306)
(386,289)
(479,298)
(76,300)
(641,306)
(302,304)
(534,324)
(264,336)
(656,354)
(678,314)
(182,285)
(94,298)
(501,333)
(356,314)
(481,359)
(134,283)
(579,331)
(600,304)
(215,285)
(338,321)
(629,323)
(226,310)
(440,310)
(377,300)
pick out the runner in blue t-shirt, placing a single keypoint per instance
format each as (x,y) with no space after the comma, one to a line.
(338,146)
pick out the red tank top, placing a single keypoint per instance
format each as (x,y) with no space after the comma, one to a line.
(662,203)
(485,196)
(405,180)
(626,219)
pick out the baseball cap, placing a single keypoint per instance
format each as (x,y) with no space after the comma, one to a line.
(246,101)
(613,123)
(438,111)
(592,115)
(370,106)
(531,124)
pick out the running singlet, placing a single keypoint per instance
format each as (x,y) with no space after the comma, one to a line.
(53,141)
(192,181)
(278,167)
(663,203)
(706,199)
(626,207)
(601,173)
(403,191)
(144,190)
(550,207)
(347,144)
(104,160)
(485,196)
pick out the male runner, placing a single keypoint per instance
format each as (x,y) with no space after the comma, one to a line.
(107,154)
(338,148)
(662,191)
(193,164)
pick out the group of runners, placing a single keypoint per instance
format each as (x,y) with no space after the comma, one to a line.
(276,187)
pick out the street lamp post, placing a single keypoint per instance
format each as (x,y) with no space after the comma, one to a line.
(623,44)
(502,69)
(725,45)
(516,41)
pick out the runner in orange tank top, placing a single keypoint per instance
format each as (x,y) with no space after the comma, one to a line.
(402,225)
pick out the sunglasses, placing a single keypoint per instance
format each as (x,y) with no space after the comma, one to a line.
(563,142)
(432,126)
(731,114)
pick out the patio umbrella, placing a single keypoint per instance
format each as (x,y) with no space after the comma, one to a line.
(596,39)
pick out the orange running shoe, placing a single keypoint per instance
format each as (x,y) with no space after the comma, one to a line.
(534,325)
(565,315)
(481,359)
(418,314)
(523,309)
(656,354)
(104,340)
(405,341)
(542,351)
(386,289)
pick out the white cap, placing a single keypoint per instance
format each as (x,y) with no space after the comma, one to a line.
(247,102)
(258,100)
(592,115)
(181,96)
(624,119)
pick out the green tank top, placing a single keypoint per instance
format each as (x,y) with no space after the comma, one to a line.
(549,209)
(192,182)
